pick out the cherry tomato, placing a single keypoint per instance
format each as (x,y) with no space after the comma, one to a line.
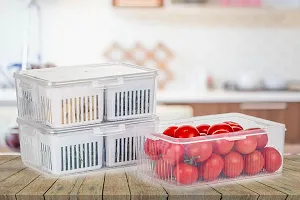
(273,159)
(154,148)
(233,164)
(203,128)
(211,168)
(254,162)
(234,125)
(186,131)
(170,131)
(246,146)
(199,151)
(219,128)
(222,147)
(163,170)
(185,174)
(173,154)
(262,139)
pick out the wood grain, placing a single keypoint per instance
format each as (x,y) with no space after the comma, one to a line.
(116,186)
(233,191)
(36,189)
(6,158)
(141,190)
(61,189)
(12,185)
(10,168)
(265,192)
(199,193)
(92,187)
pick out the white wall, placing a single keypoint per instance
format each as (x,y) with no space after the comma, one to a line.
(78,31)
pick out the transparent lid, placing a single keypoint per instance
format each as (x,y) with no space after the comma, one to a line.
(107,128)
(245,121)
(99,73)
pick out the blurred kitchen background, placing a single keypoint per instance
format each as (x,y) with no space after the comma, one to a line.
(213,56)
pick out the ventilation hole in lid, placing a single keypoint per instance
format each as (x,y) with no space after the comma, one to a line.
(128,148)
(128,102)
(89,108)
(67,112)
(132,105)
(79,157)
(120,150)
(97,109)
(136,102)
(84,110)
(62,112)
(71,111)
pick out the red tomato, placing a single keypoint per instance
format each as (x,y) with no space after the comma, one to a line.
(186,131)
(254,162)
(234,125)
(199,151)
(203,128)
(219,128)
(222,147)
(273,159)
(246,146)
(154,148)
(262,139)
(185,174)
(233,164)
(163,170)
(170,131)
(173,154)
(211,168)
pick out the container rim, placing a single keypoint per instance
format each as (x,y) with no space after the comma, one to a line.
(148,72)
(56,131)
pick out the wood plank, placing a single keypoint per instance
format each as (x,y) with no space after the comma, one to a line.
(6,158)
(142,190)
(116,186)
(92,187)
(10,168)
(234,191)
(293,128)
(75,190)
(199,193)
(61,189)
(36,189)
(12,185)
(284,183)
(265,192)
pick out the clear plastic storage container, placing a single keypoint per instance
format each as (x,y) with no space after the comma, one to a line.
(81,95)
(70,150)
(224,156)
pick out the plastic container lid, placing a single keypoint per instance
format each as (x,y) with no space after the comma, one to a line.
(99,74)
(102,129)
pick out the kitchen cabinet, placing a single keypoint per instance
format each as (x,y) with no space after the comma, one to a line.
(282,112)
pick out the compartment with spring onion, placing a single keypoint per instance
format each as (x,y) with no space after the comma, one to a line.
(73,96)
(212,149)
(71,150)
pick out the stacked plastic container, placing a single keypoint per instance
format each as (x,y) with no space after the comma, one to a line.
(81,118)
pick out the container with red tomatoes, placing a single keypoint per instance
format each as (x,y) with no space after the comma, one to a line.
(212,149)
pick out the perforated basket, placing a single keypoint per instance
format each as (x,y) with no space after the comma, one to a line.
(72,96)
(69,150)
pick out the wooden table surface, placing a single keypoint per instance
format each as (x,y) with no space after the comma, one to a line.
(22,183)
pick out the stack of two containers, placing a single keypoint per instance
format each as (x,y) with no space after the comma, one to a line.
(80,118)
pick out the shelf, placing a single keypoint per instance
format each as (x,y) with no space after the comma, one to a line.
(214,16)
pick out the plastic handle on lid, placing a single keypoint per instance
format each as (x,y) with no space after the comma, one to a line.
(110,131)
(102,84)
(236,138)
